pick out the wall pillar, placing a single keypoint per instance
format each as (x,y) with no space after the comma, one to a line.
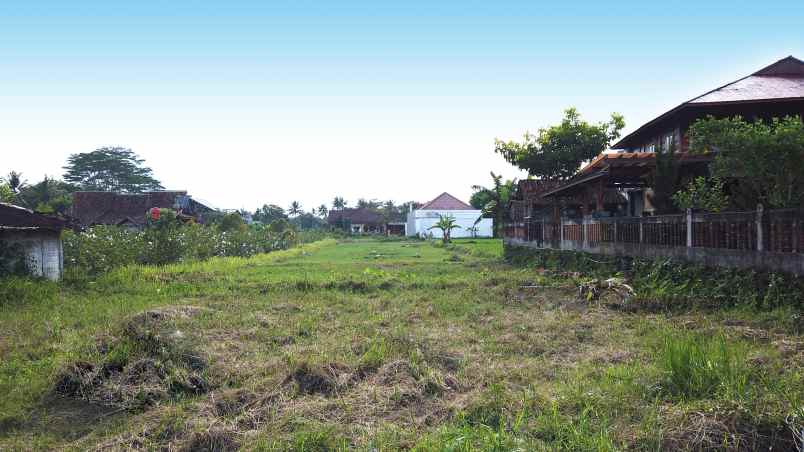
(760,238)
(689,228)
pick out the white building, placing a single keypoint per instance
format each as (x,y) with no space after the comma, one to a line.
(421,219)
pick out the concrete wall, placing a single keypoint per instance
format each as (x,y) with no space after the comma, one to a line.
(43,250)
(420,220)
(712,257)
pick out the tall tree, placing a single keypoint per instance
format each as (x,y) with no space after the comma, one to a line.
(295,209)
(363,203)
(557,152)
(110,169)
(339,203)
(323,211)
(493,201)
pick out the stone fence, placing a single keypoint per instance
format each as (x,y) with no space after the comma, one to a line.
(761,239)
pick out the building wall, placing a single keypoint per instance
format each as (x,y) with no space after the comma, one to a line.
(419,222)
(43,250)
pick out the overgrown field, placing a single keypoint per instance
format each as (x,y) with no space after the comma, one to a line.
(386,345)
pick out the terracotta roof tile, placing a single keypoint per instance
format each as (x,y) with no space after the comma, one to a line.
(445,201)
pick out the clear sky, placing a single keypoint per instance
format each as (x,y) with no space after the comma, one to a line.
(248,102)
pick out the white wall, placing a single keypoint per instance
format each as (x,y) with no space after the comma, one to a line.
(420,220)
(43,250)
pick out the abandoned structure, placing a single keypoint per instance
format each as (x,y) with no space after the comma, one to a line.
(37,235)
(91,208)
(422,219)
(606,208)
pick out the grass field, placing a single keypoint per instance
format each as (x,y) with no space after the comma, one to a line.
(376,345)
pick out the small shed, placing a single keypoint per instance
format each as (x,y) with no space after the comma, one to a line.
(357,221)
(421,219)
(38,234)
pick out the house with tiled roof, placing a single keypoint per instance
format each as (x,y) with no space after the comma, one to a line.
(91,208)
(776,90)
(422,219)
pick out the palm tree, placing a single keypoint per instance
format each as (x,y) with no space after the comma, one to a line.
(498,197)
(322,211)
(15,181)
(338,203)
(295,208)
(446,224)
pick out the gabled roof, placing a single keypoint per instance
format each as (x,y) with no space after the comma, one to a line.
(446,201)
(18,218)
(355,216)
(780,81)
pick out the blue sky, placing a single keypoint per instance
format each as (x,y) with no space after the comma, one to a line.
(276,101)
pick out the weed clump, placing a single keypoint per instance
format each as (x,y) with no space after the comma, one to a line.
(150,361)
(320,379)
(213,440)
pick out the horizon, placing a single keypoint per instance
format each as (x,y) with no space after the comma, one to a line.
(253,103)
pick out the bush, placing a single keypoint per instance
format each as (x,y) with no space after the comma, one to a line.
(168,240)
(13,260)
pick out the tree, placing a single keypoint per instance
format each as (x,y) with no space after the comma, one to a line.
(494,199)
(665,180)
(295,209)
(269,213)
(759,162)
(368,204)
(50,195)
(557,152)
(446,224)
(110,169)
(6,193)
(15,181)
(703,193)
(323,211)
(339,203)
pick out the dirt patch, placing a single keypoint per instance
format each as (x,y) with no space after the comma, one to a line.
(212,440)
(232,402)
(719,432)
(323,379)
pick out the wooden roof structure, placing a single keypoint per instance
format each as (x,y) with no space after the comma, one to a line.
(778,83)
(15,218)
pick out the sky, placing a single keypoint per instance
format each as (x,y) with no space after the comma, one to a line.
(244,103)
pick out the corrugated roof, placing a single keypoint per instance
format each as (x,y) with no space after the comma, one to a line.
(446,201)
(18,218)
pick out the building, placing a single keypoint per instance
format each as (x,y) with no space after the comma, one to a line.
(358,221)
(776,90)
(422,219)
(38,235)
(91,208)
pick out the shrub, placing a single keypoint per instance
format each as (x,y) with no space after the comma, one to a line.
(13,260)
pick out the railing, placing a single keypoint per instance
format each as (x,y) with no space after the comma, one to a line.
(778,231)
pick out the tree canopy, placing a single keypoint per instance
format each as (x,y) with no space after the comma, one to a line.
(269,213)
(759,162)
(110,169)
(557,152)
(493,201)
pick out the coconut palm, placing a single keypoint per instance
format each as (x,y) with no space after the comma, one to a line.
(446,224)
(322,211)
(295,208)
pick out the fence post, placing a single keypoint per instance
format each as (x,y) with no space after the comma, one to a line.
(640,231)
(543,234)
(689,228)
(760,238)
(583,233)
(614,239)
(561,232)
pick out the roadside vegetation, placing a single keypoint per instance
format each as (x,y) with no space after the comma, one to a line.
(386,345)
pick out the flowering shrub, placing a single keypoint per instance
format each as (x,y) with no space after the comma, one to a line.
(167,240)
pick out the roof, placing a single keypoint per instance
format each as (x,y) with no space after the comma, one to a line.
(782,80)
(99,207)
(355,216)
(18,218)
(446,201)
